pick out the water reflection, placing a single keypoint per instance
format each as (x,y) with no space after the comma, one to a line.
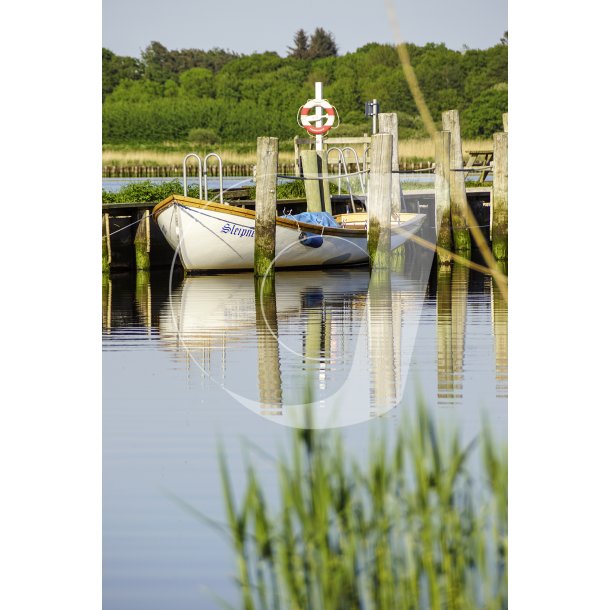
(500,330)
(333,336)
(269,374)
(144,298)
(381,331)
(174,348)
(451,317)
(340,339)
(106,302)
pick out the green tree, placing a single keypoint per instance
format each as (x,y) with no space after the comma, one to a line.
(197,82)
(170,93)
(322,44)
(484,116)
(159,63)
(116,68)
(171,89)
(301,45)
(135,91)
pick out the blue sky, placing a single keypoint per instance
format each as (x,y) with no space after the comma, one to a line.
(269,25)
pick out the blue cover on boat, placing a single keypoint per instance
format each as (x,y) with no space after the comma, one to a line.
(323,219)
(314,218)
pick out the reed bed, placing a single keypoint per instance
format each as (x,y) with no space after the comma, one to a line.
(408,528)
(408,150)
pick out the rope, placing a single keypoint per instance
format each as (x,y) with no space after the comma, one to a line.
(429,170)
(328,177)
(472,168)
(130,224)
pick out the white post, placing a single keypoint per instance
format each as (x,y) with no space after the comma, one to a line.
(374,117)
(319,137)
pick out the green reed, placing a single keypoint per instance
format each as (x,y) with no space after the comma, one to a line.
(408,528)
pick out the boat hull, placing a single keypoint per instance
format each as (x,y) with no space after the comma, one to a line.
(213,237)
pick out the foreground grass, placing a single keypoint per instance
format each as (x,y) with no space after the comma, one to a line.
(403,530)
(245,153)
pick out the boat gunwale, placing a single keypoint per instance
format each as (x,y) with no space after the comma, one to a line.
(251,214)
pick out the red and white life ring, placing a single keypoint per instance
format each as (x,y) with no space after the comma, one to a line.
(306,119)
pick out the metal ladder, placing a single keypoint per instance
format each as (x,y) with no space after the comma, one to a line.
(202,171)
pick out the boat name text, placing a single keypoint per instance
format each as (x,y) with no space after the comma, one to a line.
(237,230)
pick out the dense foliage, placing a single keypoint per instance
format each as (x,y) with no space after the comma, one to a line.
(167,94)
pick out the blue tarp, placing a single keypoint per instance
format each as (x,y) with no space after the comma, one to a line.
(314,218)
(323,219)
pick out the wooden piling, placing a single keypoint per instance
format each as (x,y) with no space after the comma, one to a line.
(459,202)
(265,207)
(499,218)
(379,201)
(505,121)
(140,244)
(317,190)
(442,195)
(388,123)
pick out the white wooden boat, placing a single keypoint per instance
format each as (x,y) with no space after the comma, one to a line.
(213,237)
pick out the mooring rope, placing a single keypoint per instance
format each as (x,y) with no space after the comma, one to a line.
(429,170)
(327,177)
(473,168)
(131,224)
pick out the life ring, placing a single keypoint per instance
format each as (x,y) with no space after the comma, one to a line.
(305,119)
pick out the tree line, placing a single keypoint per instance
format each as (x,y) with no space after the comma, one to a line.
(189,94)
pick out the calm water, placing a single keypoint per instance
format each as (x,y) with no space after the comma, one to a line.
(191,363)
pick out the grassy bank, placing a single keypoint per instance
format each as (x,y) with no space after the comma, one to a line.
(147,191)
(405,528)
(239,153)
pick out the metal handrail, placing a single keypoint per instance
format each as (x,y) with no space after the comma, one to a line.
(365,151)
(342,160)
(360,177)
(205,174)
(200,172)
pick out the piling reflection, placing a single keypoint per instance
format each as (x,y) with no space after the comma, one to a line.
(499,312)
(143,297)
(106,302)
(269,374)
(451,310)
(381,343)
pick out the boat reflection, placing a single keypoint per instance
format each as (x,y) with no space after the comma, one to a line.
(333,339)
(338,340)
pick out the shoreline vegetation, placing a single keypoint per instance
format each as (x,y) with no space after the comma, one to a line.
(173,153)
(408,526)
(217,96)
(146,191)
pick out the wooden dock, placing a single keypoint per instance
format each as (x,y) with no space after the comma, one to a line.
(118,216)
